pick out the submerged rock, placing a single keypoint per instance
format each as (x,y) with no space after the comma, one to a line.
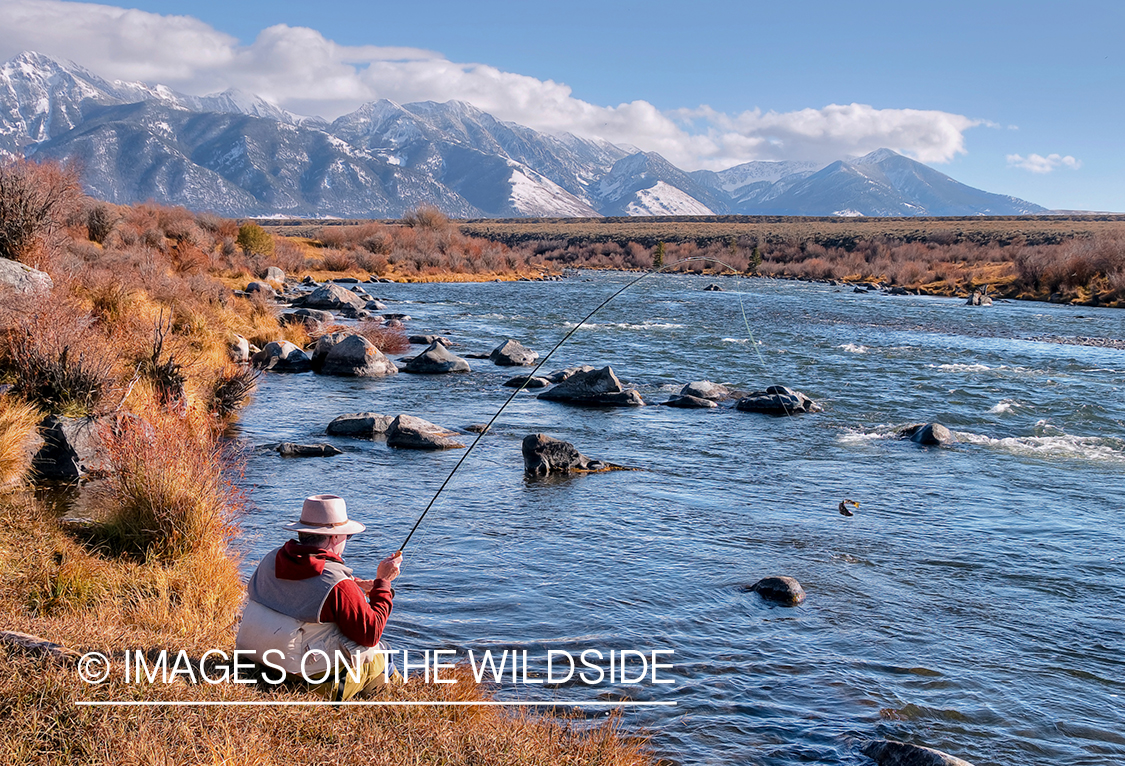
(928,434)
(356,356)
(512,353)
(596,388)
(477,428)
(543,455)
(526,381)
(690,403)
(409,432)
(289,449)
(777,400)
(705,389)
(360,424)
(781,590)
(713,288)
(436,360)
(281,356)
(886,752)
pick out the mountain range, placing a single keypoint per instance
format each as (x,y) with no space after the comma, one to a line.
(236,154)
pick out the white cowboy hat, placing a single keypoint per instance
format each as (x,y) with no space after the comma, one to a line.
(325,515)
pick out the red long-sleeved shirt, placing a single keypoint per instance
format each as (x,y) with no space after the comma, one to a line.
(360,619)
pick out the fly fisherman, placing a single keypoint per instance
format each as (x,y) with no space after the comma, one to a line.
(306,607)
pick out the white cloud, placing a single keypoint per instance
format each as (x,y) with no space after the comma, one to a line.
(1039,164)
(301,70)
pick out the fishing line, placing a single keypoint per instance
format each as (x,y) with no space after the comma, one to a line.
(551,353)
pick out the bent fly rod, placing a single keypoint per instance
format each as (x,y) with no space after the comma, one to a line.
(551,353)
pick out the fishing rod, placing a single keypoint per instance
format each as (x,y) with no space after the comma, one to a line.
(551,353)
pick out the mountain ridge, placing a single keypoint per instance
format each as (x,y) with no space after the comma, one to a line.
(238,154)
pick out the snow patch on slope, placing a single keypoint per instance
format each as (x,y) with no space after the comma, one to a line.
(664,199)
(536,195)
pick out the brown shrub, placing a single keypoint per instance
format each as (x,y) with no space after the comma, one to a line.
(389,340)
(35,201)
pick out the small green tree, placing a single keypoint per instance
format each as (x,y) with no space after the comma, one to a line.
(658,257)
(254,240)
(755,260)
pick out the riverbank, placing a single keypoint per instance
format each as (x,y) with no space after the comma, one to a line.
(125,329)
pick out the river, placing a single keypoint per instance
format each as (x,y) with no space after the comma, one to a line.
(973,604)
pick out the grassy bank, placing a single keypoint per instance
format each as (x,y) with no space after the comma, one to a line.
(136,333)
(1074,259)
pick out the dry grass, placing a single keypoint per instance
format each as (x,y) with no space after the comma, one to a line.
(18,428)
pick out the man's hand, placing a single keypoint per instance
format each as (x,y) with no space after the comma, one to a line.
(389,567)
(364,585)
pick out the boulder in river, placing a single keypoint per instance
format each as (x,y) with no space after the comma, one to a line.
(374,305)
(409,432)
(596,388)
(705,389)
(23,278)
(887,752)
(281,356)
(527,381)
(777,400)
(362,425)
(780,590)
(690,403)
(425,340)
(331,297)
(436,360)
(928,434)
(512,353)
(289,449)
(356,356)
(544,455)
(979,298)
(713,288)
(558,376)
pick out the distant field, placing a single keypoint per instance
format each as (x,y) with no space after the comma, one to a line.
(776,230)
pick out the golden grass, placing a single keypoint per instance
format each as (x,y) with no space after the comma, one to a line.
(19,423)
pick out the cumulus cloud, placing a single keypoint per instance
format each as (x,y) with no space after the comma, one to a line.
(304,72)
(1039,164)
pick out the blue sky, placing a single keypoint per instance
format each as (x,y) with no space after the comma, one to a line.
(1017,98)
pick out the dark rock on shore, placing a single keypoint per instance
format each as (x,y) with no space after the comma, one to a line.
(332,297)
(409,432)
(289,449)
(780,590)
(690,403)
(526,381)
(355,356)
(596,388)
(928,434)
(305,316)
(543,455)
(281,356)
(71,448)
(777,400)
(886,752)
(436,360)
(360,425)
(705,389)
(512,353)
(261,287)
(238,349)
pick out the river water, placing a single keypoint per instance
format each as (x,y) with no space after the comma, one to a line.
(974,603)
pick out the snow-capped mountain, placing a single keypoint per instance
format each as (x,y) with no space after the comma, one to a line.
(238,154)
